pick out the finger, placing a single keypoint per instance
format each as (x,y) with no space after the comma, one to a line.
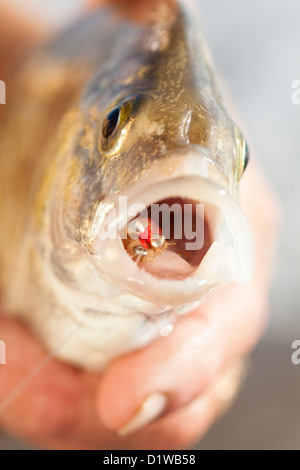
(91,4)
(178,429)
(52,398)
(56,409)
(184,426)
(173,370)
(137,11)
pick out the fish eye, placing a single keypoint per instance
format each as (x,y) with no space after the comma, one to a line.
(247,155)
(116,124)
(110,123)
(243,153)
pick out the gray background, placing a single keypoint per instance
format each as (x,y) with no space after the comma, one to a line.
(256,45)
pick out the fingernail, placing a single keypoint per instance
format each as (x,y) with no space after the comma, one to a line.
(150,409)
(228,387)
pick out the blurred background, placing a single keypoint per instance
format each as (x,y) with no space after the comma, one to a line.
(256,46)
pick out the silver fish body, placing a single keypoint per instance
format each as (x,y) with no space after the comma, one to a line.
(121,109)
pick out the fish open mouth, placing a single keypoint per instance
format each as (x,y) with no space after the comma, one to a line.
(171,237)
(176,237)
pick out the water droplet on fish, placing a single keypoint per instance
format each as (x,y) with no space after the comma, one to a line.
(181,309)
(135,280)
(185,308)
(154,46)
(220,143)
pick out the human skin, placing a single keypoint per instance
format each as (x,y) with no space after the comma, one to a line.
(61,407)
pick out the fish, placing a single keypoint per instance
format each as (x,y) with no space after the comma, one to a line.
(111,128)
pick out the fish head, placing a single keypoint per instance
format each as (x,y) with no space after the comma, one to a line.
(150,190)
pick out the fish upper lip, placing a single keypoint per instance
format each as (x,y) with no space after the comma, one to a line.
(186,161)
(189,164)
